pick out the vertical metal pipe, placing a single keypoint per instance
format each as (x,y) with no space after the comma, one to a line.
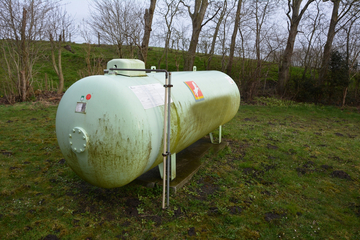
(168,139)
(165,142)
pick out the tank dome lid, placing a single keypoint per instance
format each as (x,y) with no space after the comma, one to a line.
(126,64)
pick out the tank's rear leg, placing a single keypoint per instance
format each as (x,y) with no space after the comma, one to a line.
(212,137)
(172,167)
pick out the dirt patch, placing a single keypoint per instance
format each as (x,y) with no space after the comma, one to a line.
(340,160)
(351,136)
(273,216)
(51,237)
(61,161)
(357,210)
(132,202)
(326,167)
(340,174)
(266,193)
(269,146)
(309,164)
(76,223)
(132,212)
(235,210)
(207,187)
(28,228)
(339,134)
(273,140)
(301,171)
(14,168)
(191,231)
(6,153)
(307,167)
(291,151)
(268,167)
(178,212)
(213,211)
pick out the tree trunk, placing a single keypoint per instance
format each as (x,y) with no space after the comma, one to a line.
(197,17)
(344,96)
(284,68)
(307,54)
(24,58)
(215,35)
(148,17)
(46,83)
(233,38)
(23,84)
(119,48)
(57,66)
(329,41)
(61,75)
(242,72)
(286,59)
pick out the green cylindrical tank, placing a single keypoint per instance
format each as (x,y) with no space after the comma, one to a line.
(110,127)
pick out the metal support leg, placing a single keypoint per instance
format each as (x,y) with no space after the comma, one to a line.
(173,167)
(212,137)
(161,170)
(220,132)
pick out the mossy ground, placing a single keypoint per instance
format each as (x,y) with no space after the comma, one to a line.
(290,171)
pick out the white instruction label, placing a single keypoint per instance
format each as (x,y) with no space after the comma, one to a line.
(150,95)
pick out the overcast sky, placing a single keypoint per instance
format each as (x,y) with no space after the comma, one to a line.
(79,9)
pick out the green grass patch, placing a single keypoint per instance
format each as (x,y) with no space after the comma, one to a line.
(290,171)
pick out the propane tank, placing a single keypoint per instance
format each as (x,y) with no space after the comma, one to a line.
(110,127)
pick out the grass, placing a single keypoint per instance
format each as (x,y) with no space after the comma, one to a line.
(74,62)
(291,171)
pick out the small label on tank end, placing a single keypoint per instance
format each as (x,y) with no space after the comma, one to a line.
(230,80)
(80,107)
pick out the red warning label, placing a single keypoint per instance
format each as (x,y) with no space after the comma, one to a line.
(198,95)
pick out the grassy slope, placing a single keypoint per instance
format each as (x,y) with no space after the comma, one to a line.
(74,62)
(279,178)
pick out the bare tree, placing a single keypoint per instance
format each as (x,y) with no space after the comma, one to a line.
(148,18)
(169,12)
(336,17)
(60,26)
(23,24)
(223,49)
(218,20)
(180,43)
(117,21)
(314,26)
(197,17)
(347,41)
(294,20)
(233,37)
(259,38)
(244,33)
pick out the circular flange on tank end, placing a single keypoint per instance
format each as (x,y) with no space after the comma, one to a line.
(78,140)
